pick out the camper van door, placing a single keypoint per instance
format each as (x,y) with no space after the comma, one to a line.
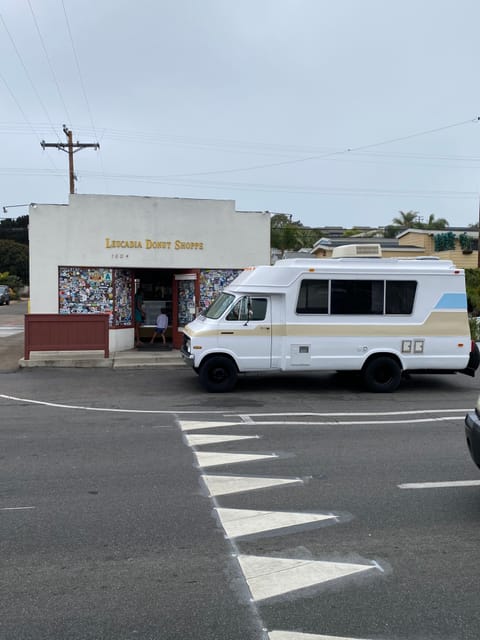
(246,332)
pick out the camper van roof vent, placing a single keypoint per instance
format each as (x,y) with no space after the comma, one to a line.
(357,251)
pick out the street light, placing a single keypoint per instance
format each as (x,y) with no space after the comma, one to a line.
(11,206)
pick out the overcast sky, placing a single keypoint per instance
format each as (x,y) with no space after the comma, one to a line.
(338,112)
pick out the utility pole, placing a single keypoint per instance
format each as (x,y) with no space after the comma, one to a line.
(69,147)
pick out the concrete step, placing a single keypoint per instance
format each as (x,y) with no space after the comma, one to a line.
(143,358)
(134,358)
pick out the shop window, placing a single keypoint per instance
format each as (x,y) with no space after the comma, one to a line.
(96,290)
(213,282)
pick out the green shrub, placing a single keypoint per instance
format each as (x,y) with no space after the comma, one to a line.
(474,328)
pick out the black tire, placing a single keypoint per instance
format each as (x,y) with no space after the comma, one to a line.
(382,375)
(218,374)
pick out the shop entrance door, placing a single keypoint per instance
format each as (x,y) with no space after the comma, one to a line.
(185,296)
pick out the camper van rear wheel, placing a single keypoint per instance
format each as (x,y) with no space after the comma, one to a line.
(218,374)
(382,374)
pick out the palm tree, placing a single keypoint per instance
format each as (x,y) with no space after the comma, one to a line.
(407,219)
(439,223)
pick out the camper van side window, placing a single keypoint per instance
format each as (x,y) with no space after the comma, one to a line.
(313,297)
(248,309)
(357,297)
(258,309)
(400,296)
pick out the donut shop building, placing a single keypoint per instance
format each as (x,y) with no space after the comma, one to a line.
(91,255)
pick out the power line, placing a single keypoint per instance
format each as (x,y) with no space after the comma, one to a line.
(77,63)
(332,153)
(257,148)
(12,95)
(333,191)
(27,73)
(82,84)
(69,120)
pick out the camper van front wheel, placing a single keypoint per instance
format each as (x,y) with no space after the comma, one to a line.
(218,374)
(382,374)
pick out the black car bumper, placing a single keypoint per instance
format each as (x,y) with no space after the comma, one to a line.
(472,433)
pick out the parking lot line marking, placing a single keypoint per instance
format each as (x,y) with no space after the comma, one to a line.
(325,423)
(15,508)
(245,522)
(214,458)
(294,635)
(5,332)
(224,485)
(269,577)
(198,439)
(349,413)
(440,485)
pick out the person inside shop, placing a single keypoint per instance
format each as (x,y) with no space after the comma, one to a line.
(139,315)
(160,327)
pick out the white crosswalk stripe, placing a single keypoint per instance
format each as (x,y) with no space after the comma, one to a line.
(224,485)
(198,439)
(191,425)
(213,458)
(271,577)
(245,522)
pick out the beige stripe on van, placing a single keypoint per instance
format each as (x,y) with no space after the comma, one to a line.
(437,324)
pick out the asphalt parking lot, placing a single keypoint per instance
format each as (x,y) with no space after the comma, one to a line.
(133,504)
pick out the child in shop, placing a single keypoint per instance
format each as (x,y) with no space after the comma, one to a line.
(161,327)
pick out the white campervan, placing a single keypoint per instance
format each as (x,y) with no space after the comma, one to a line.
(355,312)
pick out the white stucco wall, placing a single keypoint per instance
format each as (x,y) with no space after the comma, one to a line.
(86,232)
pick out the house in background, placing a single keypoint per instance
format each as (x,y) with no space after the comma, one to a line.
(459,244)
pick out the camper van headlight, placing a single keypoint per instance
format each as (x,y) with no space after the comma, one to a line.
(187,344)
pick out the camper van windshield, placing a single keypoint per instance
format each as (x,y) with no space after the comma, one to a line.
(219,306)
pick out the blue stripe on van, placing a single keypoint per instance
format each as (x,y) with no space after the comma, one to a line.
(452,301)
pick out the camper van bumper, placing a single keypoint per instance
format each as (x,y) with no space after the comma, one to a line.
(188,358)
(474,360)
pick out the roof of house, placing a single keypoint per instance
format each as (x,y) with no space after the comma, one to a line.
(385,243)
(473,233)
